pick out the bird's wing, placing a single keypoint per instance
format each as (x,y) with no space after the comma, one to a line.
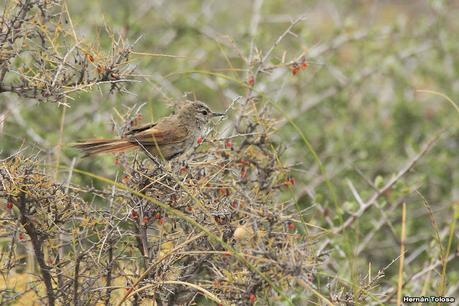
(140,129)
(164,132)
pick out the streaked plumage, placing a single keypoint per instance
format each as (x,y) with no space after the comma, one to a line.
(169,137)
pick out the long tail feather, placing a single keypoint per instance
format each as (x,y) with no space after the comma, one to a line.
(97,146)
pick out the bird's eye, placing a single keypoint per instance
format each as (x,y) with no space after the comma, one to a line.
(204,112)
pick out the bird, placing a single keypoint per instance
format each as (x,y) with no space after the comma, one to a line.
(167,138)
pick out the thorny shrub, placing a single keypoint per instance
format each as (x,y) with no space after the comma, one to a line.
(207,224)
(41,56)
(214,224)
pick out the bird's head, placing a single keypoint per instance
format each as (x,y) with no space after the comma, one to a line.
(199,111)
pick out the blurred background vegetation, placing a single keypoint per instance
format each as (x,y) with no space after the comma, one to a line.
(356,104)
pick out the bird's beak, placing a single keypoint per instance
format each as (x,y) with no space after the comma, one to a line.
(218,114)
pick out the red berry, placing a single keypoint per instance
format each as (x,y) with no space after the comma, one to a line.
(304,65)
(244,173)
(252,298)
(89,57)
(21,236)
(125,178)
(9,205)
(162,221)
(146,219)
(200,140)
(100,68)
(295,68)
(251,81)
(291,226)
(290,181)
(224,191)
(189,209)
(158,215)
(229,145)
(134,214)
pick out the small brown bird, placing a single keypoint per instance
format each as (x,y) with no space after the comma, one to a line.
(169,137)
